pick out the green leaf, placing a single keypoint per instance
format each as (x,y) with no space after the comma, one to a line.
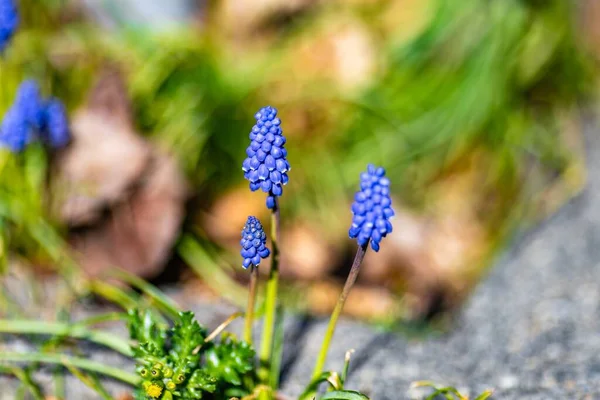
(200,382)
(344,395)
(150,336)
(485,395)
(187,335)
(162,301)
(25,377)
(230,360)
(330,377)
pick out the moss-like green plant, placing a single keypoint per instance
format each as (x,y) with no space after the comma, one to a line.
(179,362)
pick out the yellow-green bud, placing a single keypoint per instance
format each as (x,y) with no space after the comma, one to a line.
(168,372)
(171,385)
(158,366)
(156,373)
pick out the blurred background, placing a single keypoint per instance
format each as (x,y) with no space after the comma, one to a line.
(473,107)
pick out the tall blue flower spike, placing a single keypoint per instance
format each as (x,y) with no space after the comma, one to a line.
(254,243)
(266,166)
(9,22)
(23,118)
(14,130)
(55,130)
(372,208)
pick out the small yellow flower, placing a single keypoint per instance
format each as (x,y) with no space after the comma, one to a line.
(153,390)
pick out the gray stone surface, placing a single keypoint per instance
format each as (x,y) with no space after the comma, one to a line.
(531,330)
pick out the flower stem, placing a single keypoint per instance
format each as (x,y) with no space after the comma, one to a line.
(360,254)
(266,349)
(82,363)
(251,304)
(73,330)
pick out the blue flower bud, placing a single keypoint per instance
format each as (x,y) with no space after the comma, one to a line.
(9,22)
(371,208)
(253,243)
(267,164)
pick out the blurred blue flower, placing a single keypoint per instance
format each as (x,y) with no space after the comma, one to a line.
(23,118)
(372,208)
(266,166)
(9,21)
(31,118)
(29,100)
(14,130)
(55,130)
(253,243)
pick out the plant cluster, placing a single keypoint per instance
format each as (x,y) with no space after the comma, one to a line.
(179,362)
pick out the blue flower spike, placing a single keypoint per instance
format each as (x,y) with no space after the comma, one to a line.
(254,243)
(266,165)
(23,118)
(372,208)
(9,22)
(29,100)
(14,130)
(55,131)
(30,118)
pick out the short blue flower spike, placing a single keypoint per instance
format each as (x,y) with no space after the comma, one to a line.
(29,100)
(254,243)
(266,166)
(9,22)
(372,208)
(55,131)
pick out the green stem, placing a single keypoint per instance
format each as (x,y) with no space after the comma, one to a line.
(270,300)
(360,254)
(73,330)
(81,363)
(251,304)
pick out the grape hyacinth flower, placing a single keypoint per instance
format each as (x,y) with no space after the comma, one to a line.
(55,130)
(23,118)
(30,117)
(372,208)
(254,247)
(29,100)
(14,130)
(9,21)
(254,240)
(266,166)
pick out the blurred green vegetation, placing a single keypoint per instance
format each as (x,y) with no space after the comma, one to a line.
(493,78)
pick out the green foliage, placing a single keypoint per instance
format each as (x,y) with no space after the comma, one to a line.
(449,392)
(344,395)
(335,382)
(230,360)
(178,362)
(26,224)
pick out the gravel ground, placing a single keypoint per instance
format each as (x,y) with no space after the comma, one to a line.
(530,330)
